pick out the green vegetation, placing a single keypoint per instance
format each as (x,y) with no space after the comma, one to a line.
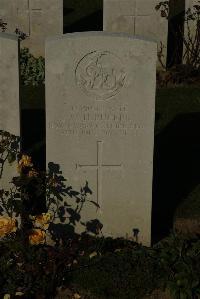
(32,69)
(33,248)
(128,273)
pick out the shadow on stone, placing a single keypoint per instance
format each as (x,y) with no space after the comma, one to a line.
(93,22)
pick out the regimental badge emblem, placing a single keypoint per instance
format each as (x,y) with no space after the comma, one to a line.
(100,74)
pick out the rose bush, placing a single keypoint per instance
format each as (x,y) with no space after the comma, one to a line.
(28,263)
(42,220)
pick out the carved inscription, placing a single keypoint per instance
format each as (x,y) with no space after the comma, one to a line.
(95,121)
(100,74)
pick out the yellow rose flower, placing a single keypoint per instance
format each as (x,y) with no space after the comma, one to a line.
(36,237)
(24,162)
(7,225)
(42,220)
(19,294)
(77,296)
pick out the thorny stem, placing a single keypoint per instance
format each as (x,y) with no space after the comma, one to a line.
(192,46)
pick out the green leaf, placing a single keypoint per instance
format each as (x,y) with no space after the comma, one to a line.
(11,157)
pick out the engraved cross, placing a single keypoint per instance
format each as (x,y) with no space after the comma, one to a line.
(28,11)
(134,17)
(99,167)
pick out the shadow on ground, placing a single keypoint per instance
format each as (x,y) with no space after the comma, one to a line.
(176,170)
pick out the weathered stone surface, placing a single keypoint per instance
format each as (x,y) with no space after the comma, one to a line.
(38,19)
(137,17)
(100,97)
(9,95)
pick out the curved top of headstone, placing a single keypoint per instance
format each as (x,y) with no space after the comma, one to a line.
(102,34)
(8,35)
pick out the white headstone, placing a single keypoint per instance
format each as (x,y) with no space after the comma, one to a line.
(100,98)
(9,96)
(137,17)
(38,19)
